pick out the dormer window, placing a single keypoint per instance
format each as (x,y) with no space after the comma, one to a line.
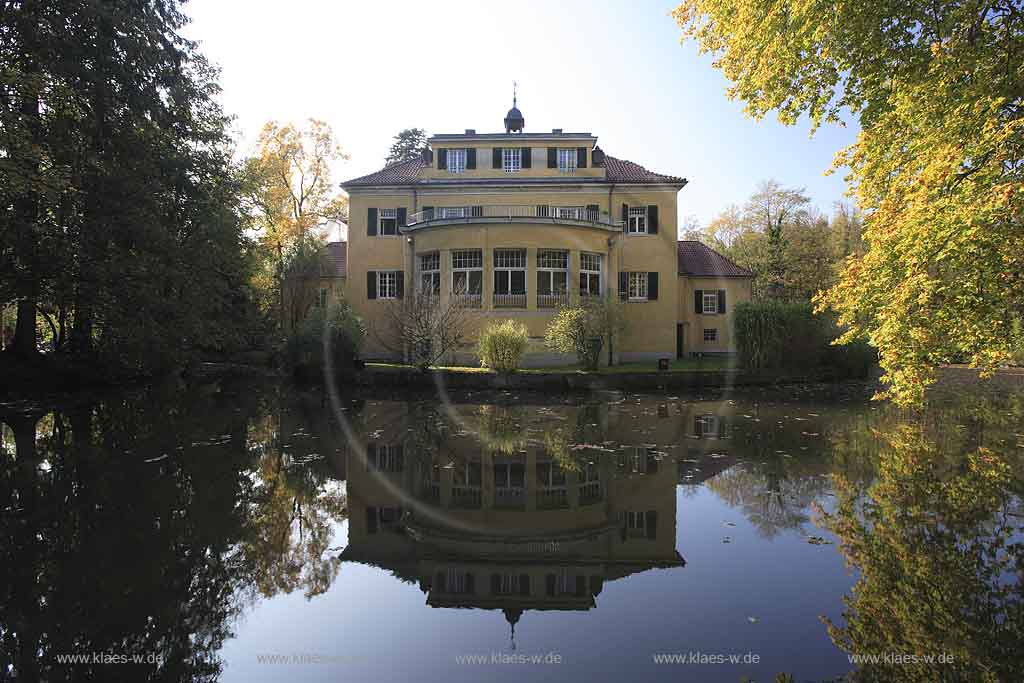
(456,160)
(512,159)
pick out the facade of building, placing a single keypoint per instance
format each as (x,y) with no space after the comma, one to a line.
(516,224)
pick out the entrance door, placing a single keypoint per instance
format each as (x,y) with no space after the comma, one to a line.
(679,340)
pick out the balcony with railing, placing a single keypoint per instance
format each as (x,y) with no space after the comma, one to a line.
(511,213)
(552,300)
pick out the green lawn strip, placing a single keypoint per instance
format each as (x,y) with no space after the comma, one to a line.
(679,365)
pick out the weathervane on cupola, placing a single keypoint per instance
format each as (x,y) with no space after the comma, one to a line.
(514,121)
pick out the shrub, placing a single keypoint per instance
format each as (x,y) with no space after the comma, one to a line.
(502,345)
(337,328)
(782,335)
(574,330)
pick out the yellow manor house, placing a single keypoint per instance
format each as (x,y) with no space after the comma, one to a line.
(515,224)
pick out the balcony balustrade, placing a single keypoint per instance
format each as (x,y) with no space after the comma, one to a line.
(510,300)
(468,214)
(552,300)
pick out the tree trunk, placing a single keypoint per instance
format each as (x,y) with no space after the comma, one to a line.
(24,342)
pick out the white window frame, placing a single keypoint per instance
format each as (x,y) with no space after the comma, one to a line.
(453,212)
(637,220)
(549,271)
(456,159)
(461,268)
(709,425)
(387,215)
(505,264)
(711,297)
(567,159)
(387,284)
(387,458)
(713,335)
(322,298)
(575,213)
(636,520)
(637,285)
(430,271)
(589,269)
(512,159)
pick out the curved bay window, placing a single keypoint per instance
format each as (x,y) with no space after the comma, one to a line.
(552,278)
(430,274)
(590,274)
(510,278)
(468,276)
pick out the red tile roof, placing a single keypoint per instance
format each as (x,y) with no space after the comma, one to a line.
(622,171)
(616,170)
(398,173)
(700,260)
(337,259)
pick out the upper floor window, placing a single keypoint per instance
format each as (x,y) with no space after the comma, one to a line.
(456,160)
(590,274)
(512,159)
(430,273)
(574,212)
(637,223)
(567,158)
(387,222)
(710,300)
(453,212)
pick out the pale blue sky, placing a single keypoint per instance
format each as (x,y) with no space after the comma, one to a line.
(617,70)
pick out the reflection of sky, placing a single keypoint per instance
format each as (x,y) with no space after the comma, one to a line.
(785,583)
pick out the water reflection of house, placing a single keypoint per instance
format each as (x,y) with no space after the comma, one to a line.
(510,532)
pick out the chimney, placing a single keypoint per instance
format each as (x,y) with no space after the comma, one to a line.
(471,131)
(556,131)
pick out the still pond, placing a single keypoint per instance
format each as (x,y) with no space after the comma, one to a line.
(249,531)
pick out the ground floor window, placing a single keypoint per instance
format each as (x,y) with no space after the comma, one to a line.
(387,284)
(711,334)
(510,273)
(430,273)
(467,272)
(638,286)
(322,299)
(590,274)
(552,276)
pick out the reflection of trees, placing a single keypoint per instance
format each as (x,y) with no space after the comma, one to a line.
(137,528)
(771,500)
(940,555)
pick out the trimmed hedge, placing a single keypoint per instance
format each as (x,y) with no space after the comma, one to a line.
(783,335)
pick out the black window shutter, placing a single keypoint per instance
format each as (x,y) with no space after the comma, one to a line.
(527,155)
(399,458)
(552,157)
(371,284)
(652,464)
(401,216)
(623,286)
(496,157)
(581,157)
(595,585)
(652,286)
(371,520)
(581,585)
(371,456)
(652,219)
(652,524)
(721,301)
(471,158)
(371,222)
(698,300)
(524,584)
(698,424)
(400,284)
(495,584)
(549,582)
(470,583)
(442,159)
(625,214)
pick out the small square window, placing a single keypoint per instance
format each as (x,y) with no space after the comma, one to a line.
(711,334)
(388,222)
(512,159)
(710,300)
(456,160)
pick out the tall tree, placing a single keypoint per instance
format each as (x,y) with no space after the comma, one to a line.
(938,166)
(768,210)
(408,144)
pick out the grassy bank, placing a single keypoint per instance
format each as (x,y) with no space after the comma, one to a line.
(711,364)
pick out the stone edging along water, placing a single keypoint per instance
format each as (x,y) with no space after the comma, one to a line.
(569,381)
